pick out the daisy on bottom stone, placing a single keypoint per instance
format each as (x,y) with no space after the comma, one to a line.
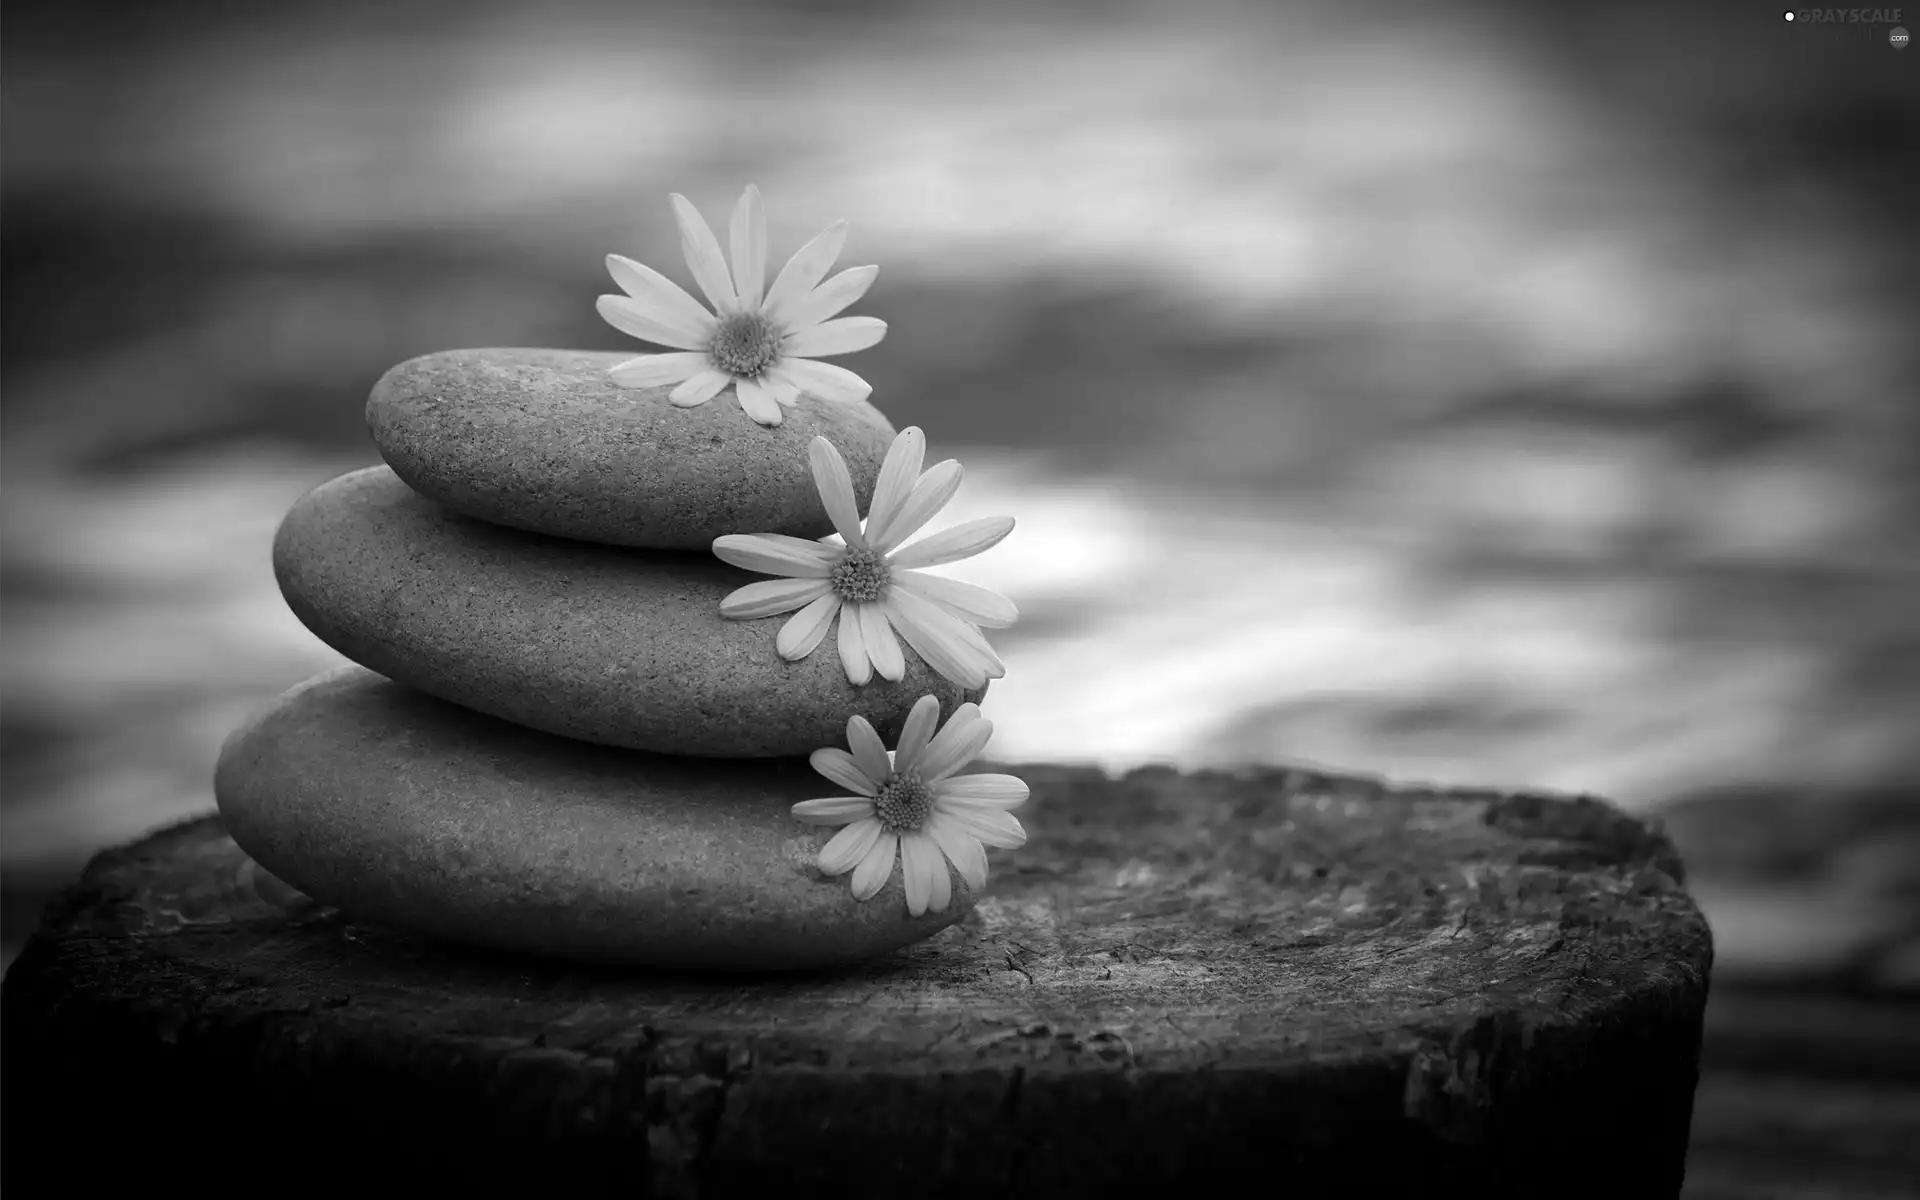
(915,804)
(871,583)
(762,343)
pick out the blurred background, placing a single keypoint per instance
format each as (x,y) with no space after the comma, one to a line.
(1500,395)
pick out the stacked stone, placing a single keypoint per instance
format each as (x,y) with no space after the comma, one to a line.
(553,741)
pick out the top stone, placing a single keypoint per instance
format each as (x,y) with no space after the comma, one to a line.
(543,440)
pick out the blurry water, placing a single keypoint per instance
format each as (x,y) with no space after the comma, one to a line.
(1468,399)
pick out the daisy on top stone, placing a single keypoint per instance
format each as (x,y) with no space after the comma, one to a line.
(764,343)
(914,801)
(871,582)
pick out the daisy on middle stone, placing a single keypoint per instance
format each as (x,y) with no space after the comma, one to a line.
(872,582)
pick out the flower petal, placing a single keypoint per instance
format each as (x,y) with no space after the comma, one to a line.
(777,554)
(942,893)
(784,392)
(967,601)
(808,266)
(948,656)
(781,381)
(853,647)
(897,475)
(748,239)
(836,385)
(936,857)
(661,299)
(835,486)
(929,494)
(758,403)
(836,764)
(953,543)
(991,827)
(869,752)
(830,297)
(876,868)
(657,370)
(956,745)
(842,335)
(845,850)
(631,317)
(703,255)
(968,635)
(834,810)
(771,597)
(963,639)
(804,629)
(883,649)
(914,735)
(994,791)
(920,863)
(961,848)
(700,388)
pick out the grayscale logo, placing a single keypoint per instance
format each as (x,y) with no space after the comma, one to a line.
(1846,16)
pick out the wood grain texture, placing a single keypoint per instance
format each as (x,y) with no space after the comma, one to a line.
(1339,987)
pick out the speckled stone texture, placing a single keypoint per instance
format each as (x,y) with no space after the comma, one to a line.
(542,440)
(1182,982)
(610,645)
(410,811)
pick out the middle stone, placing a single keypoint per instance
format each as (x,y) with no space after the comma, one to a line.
(609,645)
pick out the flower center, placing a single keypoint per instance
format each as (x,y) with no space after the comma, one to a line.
(744,345)
(904,804)
(862,576)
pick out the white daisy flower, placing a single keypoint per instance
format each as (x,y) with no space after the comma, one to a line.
(871,582)
(912,800)
(763,343)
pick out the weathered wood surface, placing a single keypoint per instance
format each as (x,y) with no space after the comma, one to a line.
(1318,983)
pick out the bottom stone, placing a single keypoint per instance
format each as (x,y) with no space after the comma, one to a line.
(403,809)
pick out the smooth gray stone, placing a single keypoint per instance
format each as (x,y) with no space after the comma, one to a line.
(406,810)
(542,440)
(610,645)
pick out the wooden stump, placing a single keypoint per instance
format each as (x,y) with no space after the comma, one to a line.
(1320,986)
